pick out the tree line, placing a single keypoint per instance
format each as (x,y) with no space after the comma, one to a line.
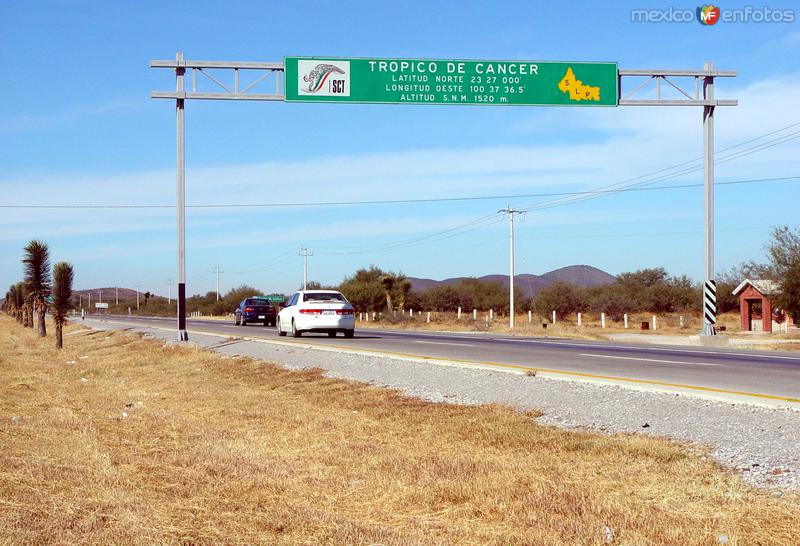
(40,291)
(645,290)
(650,290)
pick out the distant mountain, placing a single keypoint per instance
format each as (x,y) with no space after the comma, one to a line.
(530,285)
(109,293)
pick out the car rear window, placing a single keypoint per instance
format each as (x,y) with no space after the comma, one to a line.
(323,296)
(261,303)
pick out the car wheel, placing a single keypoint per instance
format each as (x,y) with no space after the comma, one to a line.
(349,333)
(244,322)
(331,334)
(280,331)
(295,331)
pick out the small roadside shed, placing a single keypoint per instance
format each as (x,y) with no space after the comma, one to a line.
(756,312)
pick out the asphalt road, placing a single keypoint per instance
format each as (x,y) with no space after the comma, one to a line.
(725,372)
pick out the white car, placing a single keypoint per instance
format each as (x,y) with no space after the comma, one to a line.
(324,311)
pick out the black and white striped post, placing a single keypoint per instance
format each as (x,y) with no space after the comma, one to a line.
(710,308)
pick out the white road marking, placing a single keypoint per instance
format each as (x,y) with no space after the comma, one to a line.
(444,343)
(650,360)
(698,351)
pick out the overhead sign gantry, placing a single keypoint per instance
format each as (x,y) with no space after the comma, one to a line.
(445,81)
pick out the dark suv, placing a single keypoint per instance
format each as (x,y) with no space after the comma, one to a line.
(255,309)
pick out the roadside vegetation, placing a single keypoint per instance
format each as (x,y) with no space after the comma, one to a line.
(641,294)
(101,446)
(30,300)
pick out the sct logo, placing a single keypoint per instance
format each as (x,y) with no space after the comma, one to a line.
(323,78)
(708,14)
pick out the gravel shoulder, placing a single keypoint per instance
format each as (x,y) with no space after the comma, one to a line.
(759,443)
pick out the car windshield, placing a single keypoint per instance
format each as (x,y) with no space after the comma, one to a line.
(323,296)
(253,302)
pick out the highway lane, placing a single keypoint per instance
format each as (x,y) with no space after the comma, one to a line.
(767,374)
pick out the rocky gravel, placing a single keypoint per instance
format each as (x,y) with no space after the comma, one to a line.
(759,443)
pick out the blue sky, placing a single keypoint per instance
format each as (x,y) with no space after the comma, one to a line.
(77,126)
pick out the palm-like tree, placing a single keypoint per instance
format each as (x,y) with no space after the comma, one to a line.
(37,279)
(15,301)
(11,301)
(19,295)
(23,305)
(63,276)
(388,282)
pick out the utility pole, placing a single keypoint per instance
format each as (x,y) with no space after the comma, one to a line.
(138,286)
(511,212)
(100,292)
(217,270)
(169,292)
(116,295)
(305,253)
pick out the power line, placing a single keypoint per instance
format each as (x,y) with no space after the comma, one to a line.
(545,236)
(492,219)
(604,189)
(427,200)
(627,185)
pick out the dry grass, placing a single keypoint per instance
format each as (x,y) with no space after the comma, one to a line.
(143,443)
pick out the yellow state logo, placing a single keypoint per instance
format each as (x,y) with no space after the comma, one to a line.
(576,89)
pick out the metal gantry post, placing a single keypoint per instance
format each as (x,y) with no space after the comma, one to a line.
(710,285)
(180,181)
(709,104)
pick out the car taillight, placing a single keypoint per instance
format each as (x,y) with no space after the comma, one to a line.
(248,309)
(345,312)
(310,311)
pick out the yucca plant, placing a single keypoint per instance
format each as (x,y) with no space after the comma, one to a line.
(12,293)
(11,302)
(19,294)
(63,276)
(37,279)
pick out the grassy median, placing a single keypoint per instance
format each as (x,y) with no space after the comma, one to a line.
(119,439)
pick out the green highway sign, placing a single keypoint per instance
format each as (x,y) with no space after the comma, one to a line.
(427,81)
(274,298)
